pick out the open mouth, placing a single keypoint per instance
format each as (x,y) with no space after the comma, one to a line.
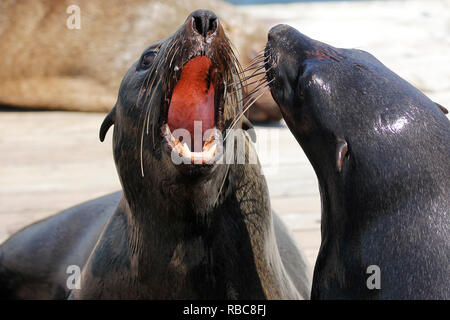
(195,113)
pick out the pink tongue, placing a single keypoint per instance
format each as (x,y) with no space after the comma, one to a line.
(192,100)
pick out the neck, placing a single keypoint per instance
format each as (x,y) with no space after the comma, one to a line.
(222,249)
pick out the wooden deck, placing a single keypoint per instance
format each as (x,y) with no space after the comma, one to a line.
(53,160)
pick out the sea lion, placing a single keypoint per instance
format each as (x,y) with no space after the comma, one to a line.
(198,230)
(380,150)
(48,62)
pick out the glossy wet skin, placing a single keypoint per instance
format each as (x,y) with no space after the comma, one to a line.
(328,93)
(380,150)
(309,76)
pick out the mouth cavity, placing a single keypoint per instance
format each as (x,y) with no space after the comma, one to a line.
(194,107)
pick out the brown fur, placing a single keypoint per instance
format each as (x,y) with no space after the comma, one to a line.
(46,65)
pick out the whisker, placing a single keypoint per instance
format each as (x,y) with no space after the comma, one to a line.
(221,186)
(145,126)
(257,56)
(253,75)
(250,96)
(260,82)
(259,67)
(173,56)
(150,102)
(252,66)
(250,83)
(235,121)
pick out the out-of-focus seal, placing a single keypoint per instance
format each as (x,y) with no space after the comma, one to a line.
(380,150)
(200,229)
(47,62)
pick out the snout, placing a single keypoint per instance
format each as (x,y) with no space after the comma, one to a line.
(281,40)
(284,56)
(280,33)
(280,48)
(202,24)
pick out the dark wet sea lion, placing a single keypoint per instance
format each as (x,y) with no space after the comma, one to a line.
(191,231)
(380,150)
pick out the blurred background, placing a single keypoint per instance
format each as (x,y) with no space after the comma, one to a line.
(57,83)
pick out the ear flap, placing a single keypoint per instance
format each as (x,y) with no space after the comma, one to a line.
(341,152)
(444,110)
(107,123)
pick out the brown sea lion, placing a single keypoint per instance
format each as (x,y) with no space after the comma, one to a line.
(380,149)
(199,230)
(46,62)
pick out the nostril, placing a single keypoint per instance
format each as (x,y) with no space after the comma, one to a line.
(205,22)
(198,25)
(212,25)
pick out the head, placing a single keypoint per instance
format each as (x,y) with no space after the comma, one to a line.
(174,105)
(334,98)
(309,79)
(363,128)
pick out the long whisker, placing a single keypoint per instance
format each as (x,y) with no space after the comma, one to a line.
(235,121)
(259,81)
(253,70)
(253,75)
(257,56)
(222,184)
(256,65)
(263,83)
(256,90)
(261,55)
(149,103)
(173,56)
(145,124)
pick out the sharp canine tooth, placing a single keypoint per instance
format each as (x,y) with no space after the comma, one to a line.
(186,150)
(167,130)
(212,150)
(210,138)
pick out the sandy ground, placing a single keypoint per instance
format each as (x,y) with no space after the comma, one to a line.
(53,160)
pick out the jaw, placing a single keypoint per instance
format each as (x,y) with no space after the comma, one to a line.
(192,128)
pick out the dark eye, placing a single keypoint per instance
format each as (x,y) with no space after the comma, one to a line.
(147,59)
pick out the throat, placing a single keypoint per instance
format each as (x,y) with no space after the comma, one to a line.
(206,259)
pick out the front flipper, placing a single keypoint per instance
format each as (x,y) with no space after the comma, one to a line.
(444,110)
